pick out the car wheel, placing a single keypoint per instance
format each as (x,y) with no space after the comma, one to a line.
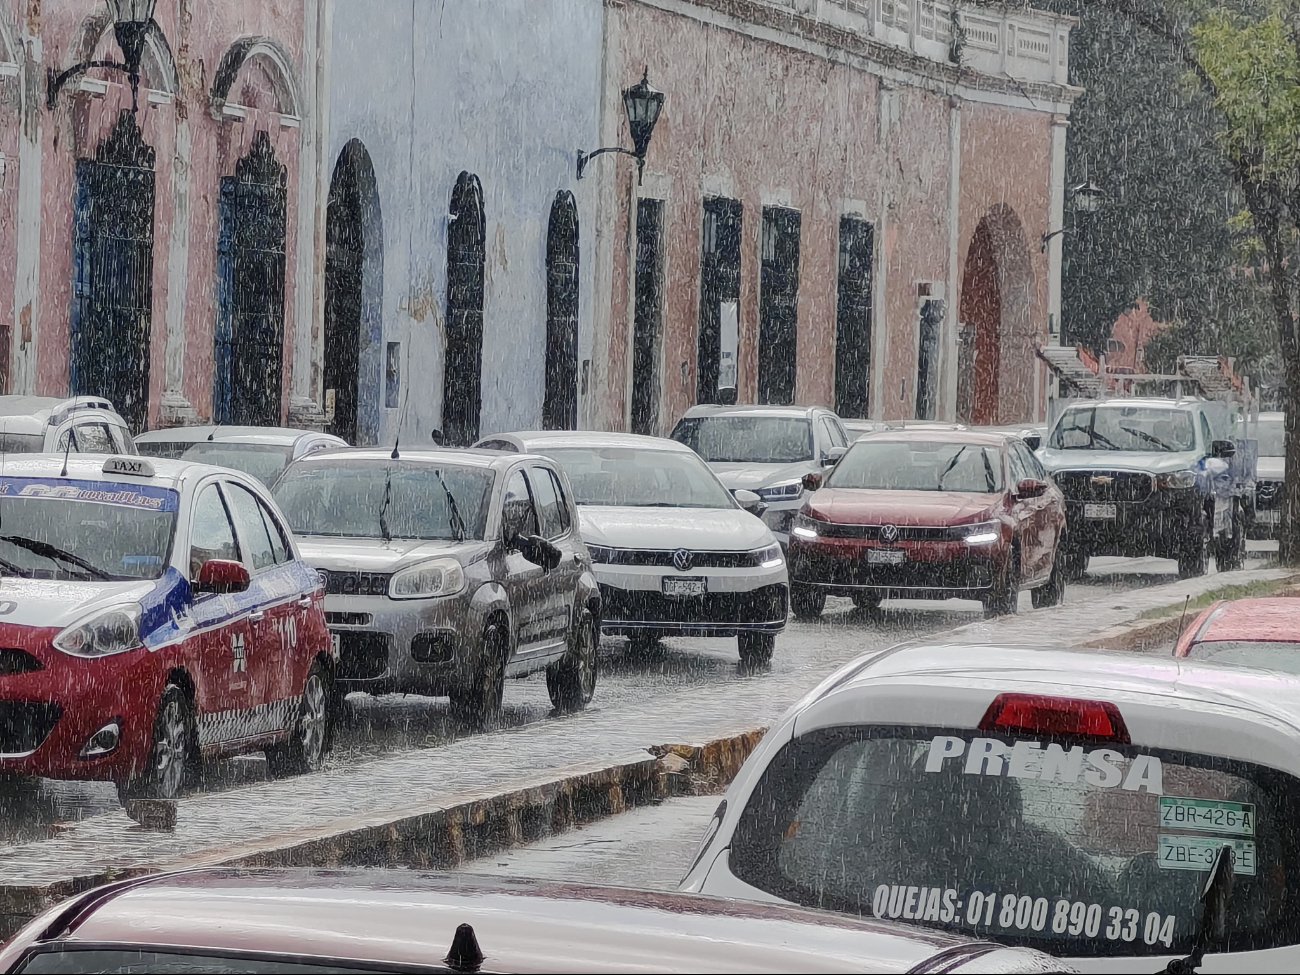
(1075,561)
(172,751)
(572,682)
(807,602)
(1053,592)
(643,642)
(1232,549)
(1194,560)
(1004,600)
(480,703)
(867,599)
(309,741)
(756,648)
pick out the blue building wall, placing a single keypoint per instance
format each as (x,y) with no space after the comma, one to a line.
(507,90)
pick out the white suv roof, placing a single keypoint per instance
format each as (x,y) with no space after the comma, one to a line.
(752,409)
(535,441)
(33,414)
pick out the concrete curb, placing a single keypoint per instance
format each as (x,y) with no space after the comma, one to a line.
(1149,634)
(461,828)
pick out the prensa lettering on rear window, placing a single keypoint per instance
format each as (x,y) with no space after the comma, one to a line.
(1103,768)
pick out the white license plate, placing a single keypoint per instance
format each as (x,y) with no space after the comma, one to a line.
(685,587)
(1268,517)
(1100,511)
(1198,852)
(886,556)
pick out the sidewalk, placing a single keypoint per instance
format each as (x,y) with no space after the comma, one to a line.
(345,815)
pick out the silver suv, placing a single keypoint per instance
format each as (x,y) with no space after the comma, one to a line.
(767,450)
(48,424)
(447,571)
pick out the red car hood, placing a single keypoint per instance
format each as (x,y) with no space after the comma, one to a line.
(858,507)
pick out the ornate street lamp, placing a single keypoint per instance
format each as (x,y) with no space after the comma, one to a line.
(1087,199)
(643,105)
(132,21)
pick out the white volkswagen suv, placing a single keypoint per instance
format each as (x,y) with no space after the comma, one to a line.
(674,551)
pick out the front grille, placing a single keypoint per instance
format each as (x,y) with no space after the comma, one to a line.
(764,605)
(355,583)
(664,558)
(912,533)
(24,725)
(13,661)
(1122,486)
(1268,494)
(362,656)
(947,574)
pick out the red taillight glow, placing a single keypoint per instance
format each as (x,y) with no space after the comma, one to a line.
(1064,716)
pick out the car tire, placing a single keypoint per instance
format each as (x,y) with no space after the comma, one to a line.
(479,703)
(1194,559)
(173,752)
(641,643)
(807,602)
(1053,592)
(1004,600)
(756,648)
(309,740)
(1075,562)
(571,683)
(868,599)
(1231,554)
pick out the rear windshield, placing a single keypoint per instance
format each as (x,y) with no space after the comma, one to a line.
(1266,655)
(914,465)
(747,439)
(1074,848)
(262,461)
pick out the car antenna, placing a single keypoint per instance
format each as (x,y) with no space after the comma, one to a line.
(213,435)
(1183,619)
(67,451)
(397,440)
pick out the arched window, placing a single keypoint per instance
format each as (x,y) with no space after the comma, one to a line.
(462,387)
(560,406)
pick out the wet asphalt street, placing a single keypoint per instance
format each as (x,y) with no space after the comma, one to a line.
(631,686)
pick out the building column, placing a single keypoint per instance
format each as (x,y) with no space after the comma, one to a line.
(1055,221)
(951,361)
(27,270)
(305,408)
(174,409)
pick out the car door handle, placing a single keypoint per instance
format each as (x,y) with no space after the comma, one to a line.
(257,616)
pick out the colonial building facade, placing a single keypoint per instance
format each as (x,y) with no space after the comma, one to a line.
(368,216)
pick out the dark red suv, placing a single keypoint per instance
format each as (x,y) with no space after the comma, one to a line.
(929,514)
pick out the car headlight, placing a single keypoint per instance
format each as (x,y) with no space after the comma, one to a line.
(1177,479)
(769,558)
(805,527)
(785,491)
(109,631)
(985,533)
(426,580)
(601,554)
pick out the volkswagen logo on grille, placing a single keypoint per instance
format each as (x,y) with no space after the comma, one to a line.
(889,533)
(683,560)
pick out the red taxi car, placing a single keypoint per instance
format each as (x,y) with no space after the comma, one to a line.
(1261,633)
(929,514)
(153,613)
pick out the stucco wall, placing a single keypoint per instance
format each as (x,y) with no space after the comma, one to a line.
(506,90)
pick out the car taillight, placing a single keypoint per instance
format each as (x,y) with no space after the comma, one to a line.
(1064,716)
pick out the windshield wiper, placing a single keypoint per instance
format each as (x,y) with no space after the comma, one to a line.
(1134,431)
(457,522)
(1094,436)
(383,508)
(1212,927)
(55,554)
(951,464)
(8,568)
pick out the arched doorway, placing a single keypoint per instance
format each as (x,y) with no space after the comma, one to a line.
(354,268)
(249,345)
(995,382)
(560,405)
(462,379)
(112,272)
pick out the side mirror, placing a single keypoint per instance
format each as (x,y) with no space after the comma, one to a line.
(750,501)
(1223,449)
(1031,488)
(812,482)
(833,456)
(1033,440)
(539,551)
(221,576)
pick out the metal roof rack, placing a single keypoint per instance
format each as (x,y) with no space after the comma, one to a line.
(1204,377)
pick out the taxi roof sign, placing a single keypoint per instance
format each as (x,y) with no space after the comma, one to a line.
(134,466)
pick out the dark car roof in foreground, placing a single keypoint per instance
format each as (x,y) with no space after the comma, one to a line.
(409,918)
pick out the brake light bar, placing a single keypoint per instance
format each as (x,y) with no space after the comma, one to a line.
(1066,717)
